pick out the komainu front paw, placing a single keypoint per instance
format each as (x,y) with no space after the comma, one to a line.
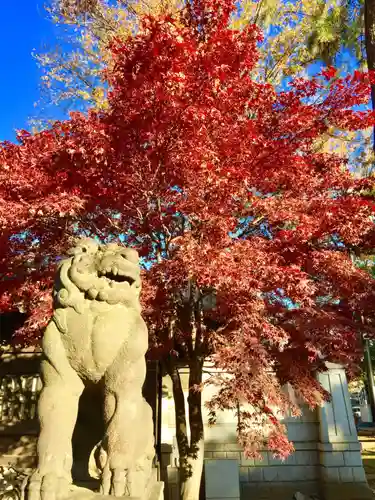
(123,482)
(49,486)
(115,482)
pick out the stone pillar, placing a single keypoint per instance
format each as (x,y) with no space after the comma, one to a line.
(222,479)
(342,473)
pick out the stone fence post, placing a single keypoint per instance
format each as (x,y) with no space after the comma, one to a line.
(341,468)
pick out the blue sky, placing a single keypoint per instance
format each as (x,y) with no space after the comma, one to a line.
(23,28)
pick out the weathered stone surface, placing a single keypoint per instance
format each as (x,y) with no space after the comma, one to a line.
(96,336)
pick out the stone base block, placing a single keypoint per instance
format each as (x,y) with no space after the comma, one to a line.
(347,491)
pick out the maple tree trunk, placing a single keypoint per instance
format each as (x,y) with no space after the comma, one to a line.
(370,45)
(191,454)
(191,485)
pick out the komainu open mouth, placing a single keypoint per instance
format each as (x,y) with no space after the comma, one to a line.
(116,277)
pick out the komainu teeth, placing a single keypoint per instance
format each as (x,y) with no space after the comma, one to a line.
(114,270)
(92,293)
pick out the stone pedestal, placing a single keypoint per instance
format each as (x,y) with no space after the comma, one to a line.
(341,470)
(156,493)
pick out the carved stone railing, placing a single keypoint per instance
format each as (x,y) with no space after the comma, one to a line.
(18,398)
(20,385)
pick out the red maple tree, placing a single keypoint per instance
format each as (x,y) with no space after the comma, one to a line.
(245,227)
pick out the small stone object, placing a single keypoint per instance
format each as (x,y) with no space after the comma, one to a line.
(96,335)
(301,496)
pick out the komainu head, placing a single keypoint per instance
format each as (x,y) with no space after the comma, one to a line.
(108,273)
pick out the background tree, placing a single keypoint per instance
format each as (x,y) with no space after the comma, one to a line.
(297,34)
(244,225)
(72,70)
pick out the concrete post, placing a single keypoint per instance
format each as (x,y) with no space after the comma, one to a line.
(342,473)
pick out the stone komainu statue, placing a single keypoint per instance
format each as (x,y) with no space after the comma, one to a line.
(96,335)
